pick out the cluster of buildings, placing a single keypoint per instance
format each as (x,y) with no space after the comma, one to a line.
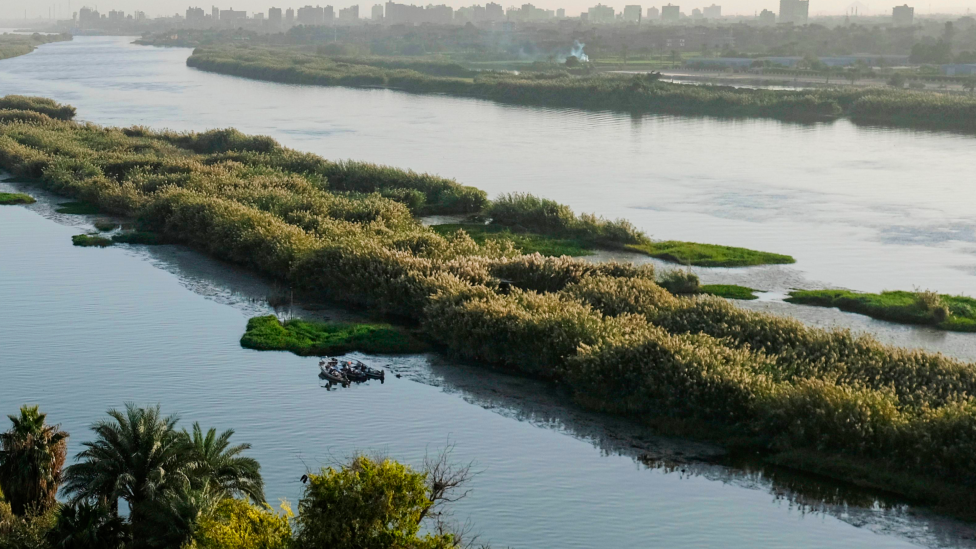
(795,12)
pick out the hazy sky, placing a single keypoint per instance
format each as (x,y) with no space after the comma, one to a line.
(10,9)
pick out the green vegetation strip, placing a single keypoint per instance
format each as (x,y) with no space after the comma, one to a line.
(947,312)
(9,199)
(729,291)
(709,255)
(91,241)
(267,333)
(77,208)
(138,237)
(528,243)
(15,45)
(608,332)
(559,88)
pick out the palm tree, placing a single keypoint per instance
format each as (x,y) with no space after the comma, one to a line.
(214,461)
(88,526)
(136,456)
(32,454)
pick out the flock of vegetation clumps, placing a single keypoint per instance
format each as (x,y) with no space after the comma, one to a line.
(947,312)
(196,490)
(829,401)
(560,88)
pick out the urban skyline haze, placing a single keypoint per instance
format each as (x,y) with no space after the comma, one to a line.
(18,9)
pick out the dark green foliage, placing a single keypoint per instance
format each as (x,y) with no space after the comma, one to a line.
(527,243)
(528,213)
(729,291)
(954,313)
(105,225)
(90,241)
(267,333)
(32,454)
(137,237)
(8,199)
(77,208)
(709,255)
(87,525)
(366,504)
(680,282)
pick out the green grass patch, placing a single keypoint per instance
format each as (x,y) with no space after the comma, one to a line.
(77,208)
(528,243)
(729,291)
(90,240)
(267,333)
(709,255)
(138,237)
(9,199)
(954,313)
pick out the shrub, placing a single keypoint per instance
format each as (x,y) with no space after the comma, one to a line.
(679,281)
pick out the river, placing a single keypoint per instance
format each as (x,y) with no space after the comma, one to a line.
(84,330)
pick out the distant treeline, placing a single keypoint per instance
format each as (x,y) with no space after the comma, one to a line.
(639,93)
(14,45)
(823,400)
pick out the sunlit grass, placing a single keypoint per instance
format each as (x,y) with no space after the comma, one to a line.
(267,333)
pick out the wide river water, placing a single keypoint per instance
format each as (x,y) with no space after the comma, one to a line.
(84,330)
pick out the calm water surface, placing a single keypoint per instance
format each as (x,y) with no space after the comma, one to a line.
(85,330)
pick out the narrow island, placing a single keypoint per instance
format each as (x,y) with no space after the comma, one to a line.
(10,199)
(568,87)
(946,312)
(15,45)
(823,401)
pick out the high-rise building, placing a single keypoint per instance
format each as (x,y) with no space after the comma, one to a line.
(653,13)
(289,17)
(88,16)
(195,15)
(632,13)
(767,17)
(377,12)
(494,12)
(116,15)
(670,14)
(215,14)
(794,11)
(712,12)
(696,13)
(311,16)
(601,14)
(349,14)
(229,17)
(561,13)
(274,17)
(903,16)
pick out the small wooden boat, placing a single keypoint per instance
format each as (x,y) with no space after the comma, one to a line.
(332,374)
(370,373)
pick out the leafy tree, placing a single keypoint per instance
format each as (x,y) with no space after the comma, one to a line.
(214,460)
(572,61)
(88,525)
(366,504)
(136,456)
(237,524)
(32,454)
(897,80)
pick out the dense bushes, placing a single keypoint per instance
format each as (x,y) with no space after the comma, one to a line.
(630,93)
(38,105)
(611,334)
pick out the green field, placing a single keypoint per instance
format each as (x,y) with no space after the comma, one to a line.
(306,338)
(9,199)
(709,255)
(953,313)
(730,291)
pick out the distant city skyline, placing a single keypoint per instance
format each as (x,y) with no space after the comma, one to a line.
(16,9)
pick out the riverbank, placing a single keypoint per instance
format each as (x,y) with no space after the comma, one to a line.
(636,93)
(15,45)
(620,343)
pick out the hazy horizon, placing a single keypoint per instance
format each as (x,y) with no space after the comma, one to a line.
(18,9)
